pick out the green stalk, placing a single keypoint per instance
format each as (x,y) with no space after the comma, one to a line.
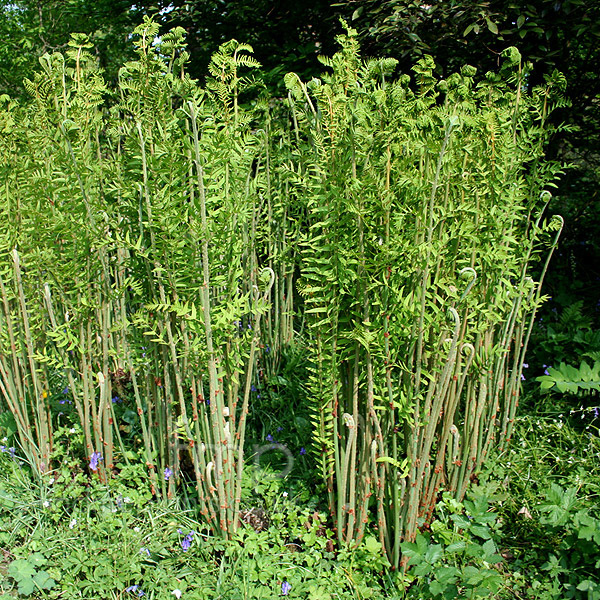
(216,394)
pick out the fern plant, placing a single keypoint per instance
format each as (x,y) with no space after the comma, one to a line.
(566,379)
(131,269)
(424,213)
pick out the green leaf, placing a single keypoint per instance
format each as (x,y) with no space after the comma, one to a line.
(37,559)
(44,581)
(461,522)
(21,569)
(26,586)
(372,545)
(587,586)
(456,547)
(491,26)
(481,531)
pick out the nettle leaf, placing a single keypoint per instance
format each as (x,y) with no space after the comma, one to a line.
(456,547)
(481,531)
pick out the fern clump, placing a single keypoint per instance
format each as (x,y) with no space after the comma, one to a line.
(424,201)
(163,243)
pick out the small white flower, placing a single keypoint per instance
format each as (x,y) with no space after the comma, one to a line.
(285,494)
(46,504)
(136,529)
(127,500)
(72,523)
(51,481)
(72,430)
(176,593)
(5,439)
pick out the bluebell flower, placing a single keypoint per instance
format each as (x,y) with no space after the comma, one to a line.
(522,377)
(187,541)
(303,451)
(66,390)
(116,399)
(279,429)
(252,388)
(168,473)
(135,589)
(94,459)
(269,438)
(285,588)
(145,551)
(10,451)
(525,366)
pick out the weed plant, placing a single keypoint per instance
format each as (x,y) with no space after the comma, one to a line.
(65,542)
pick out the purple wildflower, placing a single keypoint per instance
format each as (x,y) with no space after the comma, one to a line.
(187,541)
(11,450)
(252,388)
(145,551)
(303,451)
(269,438)
(168,473)
(525,366)
(596,412)
(285,588)
(135,589)
(94,459)
(522,377)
